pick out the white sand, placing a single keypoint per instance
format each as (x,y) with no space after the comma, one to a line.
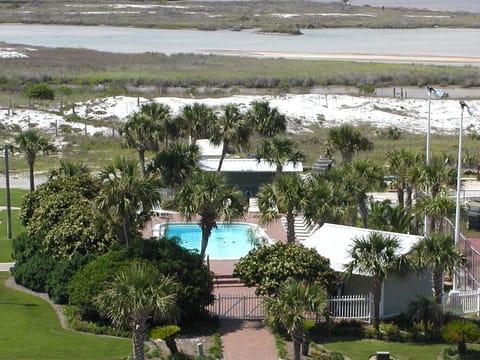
(408,115)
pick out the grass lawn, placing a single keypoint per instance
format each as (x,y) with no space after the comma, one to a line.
(5,243)
(363,349)
(16,196)
(30,329)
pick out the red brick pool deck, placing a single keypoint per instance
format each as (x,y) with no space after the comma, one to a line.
(242,339)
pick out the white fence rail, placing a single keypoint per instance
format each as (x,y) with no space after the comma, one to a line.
(462,302)
(233,306)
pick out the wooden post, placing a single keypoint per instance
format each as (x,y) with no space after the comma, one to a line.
(10,112)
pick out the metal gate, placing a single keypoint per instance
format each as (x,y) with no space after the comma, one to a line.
(245,307)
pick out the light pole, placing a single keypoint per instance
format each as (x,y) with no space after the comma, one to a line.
(7,194)
(463,106)
(438,94)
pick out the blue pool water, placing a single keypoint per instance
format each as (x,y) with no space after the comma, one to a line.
(227,241)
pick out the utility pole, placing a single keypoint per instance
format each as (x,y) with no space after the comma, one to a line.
(7,194)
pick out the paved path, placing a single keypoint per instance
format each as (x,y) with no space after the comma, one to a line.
(247,340)
(6,266)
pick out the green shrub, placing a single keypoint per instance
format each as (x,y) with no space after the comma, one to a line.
(216,349)
(33,272)
(461,332)
(39,91)
(280,345)
(367,89)
(390,331)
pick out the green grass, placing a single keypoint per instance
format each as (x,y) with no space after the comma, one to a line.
(363,349)
(5,243)
(30,329)
(16,196)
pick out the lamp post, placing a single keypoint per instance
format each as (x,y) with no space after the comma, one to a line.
(463,106)
(7,194)
(438,94)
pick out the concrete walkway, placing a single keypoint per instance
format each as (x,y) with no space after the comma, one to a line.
(6,266)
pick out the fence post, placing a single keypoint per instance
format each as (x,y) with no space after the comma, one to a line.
(478,302)
(244,310)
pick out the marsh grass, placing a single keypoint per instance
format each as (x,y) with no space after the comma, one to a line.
(229,15)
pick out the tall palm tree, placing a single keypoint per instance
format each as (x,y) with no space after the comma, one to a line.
(277,151)
(31,142)
(231,130)
(126,197)
(206,194)
(267,121)
(176,163)
(375,255)
(140,133)
(384,216)
(199,120)
(438,252)
(294,302)
(348,141)
(134,296)
(287,194)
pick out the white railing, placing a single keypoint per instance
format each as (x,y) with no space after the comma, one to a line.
(233,306)
(462,302)
(350,307)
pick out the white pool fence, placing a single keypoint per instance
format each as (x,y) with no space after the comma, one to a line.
(250,307)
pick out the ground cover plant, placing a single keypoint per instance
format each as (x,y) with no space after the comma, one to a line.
(44,338)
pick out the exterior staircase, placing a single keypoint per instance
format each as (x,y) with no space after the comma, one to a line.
(303,230)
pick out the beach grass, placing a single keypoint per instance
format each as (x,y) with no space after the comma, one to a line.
(30,329)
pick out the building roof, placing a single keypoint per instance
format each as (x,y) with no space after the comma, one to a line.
(246,165)
(334,241)
(207,149)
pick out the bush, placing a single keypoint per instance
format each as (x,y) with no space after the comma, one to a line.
(40,91)
(390,331)
(33,272)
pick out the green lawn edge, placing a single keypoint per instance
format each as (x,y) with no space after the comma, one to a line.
(30,329)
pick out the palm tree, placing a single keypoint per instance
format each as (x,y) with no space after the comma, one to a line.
(425,310)
(136,295)
(176,163)
(31,142)
(206,194)
(461,332)
(400,163)
(231,130)
(68,169)
(438,252)
(295,300)
(277,151)
(267,121)
(325,201)
(359,178)
(287,194)
(383,216)
(126,197)
(348,141)
(199,120)
(140,132)
(158,114)
(375,255)
(437,208)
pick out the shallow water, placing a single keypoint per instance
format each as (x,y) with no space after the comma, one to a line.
(405,42)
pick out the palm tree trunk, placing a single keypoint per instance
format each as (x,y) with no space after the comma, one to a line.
(296,349)
(224,152)
(363,212)
(400,196)
(32,176)
(205,235)
(408,202)
(138,342)
(141,158)
(290,228)
(377,296)
(437,282)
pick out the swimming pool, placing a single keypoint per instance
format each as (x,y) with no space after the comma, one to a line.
(227,241)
